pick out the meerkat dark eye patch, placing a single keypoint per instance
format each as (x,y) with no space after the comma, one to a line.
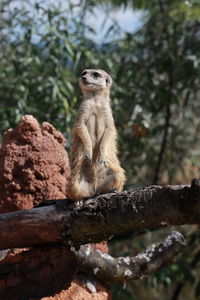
(83,73)
(107,80)
(96,75)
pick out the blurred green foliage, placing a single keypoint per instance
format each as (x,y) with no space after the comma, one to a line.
(155,97)
(42,51)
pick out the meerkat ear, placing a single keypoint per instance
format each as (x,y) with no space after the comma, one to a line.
(108,81)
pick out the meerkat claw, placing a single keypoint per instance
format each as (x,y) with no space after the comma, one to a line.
(101,161)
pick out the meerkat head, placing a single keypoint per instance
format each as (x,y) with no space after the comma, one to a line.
(92,80)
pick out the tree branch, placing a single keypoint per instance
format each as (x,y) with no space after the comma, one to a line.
(102,217)
(160,4)
(163,145)
(58,265)
(107,268)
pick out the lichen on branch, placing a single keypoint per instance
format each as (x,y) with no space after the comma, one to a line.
(107,268)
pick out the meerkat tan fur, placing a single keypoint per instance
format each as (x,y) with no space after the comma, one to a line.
(95,168)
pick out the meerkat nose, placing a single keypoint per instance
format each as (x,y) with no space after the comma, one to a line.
(84,78)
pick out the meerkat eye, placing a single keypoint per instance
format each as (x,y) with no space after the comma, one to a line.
(83,73)
(107,81)
(96,74)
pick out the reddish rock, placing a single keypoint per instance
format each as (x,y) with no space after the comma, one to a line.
(79,291)
(34,165)
(42,270)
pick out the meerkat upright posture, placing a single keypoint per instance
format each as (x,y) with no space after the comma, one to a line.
(95,168)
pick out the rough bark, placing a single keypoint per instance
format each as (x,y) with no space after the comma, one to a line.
(107,268)
(100,218)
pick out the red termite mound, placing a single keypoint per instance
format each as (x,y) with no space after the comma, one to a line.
(34,166)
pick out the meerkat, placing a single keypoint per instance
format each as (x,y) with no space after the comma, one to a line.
(95,168)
